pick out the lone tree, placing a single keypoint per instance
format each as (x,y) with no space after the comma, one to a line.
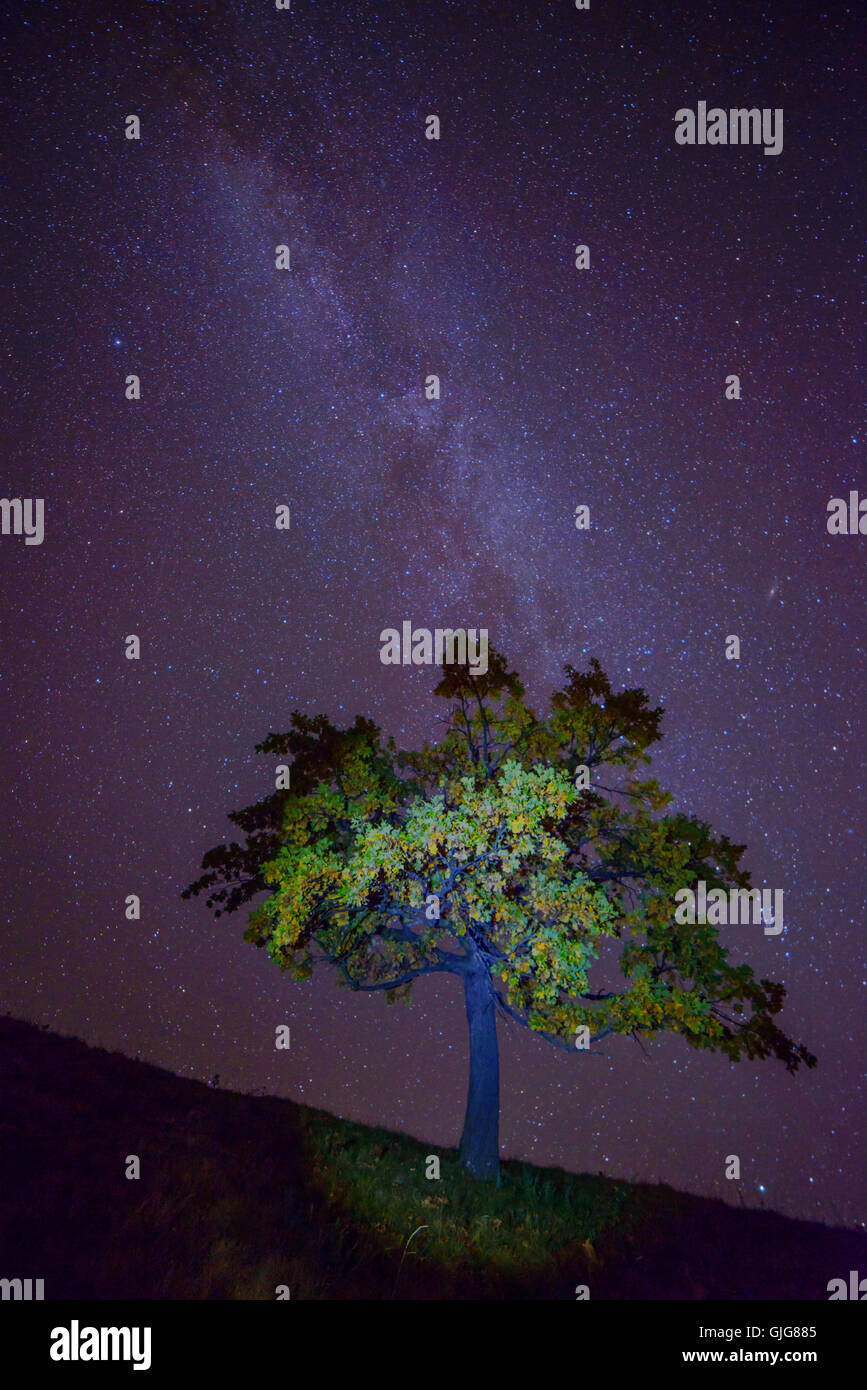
(499,855)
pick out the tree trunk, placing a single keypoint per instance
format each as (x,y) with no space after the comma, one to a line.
(480,1144)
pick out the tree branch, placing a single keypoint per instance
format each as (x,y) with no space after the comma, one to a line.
(404,979)
(550,1037)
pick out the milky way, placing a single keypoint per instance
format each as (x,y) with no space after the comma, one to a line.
(559,387)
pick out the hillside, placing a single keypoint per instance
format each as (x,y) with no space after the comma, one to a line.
(239,1194)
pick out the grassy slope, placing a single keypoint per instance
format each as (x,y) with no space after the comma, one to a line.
(239,1194)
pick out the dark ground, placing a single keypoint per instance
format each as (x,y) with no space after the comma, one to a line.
(239,1194)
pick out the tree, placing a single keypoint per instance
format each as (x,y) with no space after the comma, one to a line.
(499,855)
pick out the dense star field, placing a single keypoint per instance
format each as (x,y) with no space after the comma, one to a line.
(560,387)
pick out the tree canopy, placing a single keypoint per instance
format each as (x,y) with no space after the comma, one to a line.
(525,847)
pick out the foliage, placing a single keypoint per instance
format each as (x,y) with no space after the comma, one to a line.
(488,848)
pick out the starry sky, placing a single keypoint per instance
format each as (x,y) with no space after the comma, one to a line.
(560,387)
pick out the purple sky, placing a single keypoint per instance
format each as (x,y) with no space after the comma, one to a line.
(559,387)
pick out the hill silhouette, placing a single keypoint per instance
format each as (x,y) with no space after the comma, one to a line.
(241,1194)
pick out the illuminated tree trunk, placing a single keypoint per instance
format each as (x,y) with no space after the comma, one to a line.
(480,1144)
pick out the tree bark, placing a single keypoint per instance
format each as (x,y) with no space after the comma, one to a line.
(480,1143)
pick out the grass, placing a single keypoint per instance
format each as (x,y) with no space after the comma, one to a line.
(242,1195)
(507,1231)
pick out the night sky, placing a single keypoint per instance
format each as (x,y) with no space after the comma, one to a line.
(306,388)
